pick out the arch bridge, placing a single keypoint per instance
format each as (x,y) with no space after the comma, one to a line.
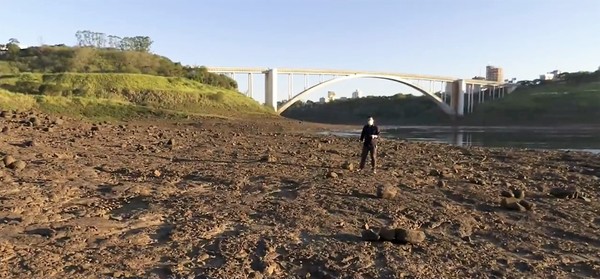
(454,96)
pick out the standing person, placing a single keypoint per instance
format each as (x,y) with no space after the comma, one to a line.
(369,136)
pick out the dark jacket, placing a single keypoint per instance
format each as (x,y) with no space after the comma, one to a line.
(366,134)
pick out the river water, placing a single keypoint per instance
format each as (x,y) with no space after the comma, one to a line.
(518,137)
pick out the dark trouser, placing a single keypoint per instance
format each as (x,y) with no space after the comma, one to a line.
(363,157)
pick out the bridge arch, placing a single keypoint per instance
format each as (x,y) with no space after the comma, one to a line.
(445,107)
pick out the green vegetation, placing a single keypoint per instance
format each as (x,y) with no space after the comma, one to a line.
(108,77)
(547,103)
(100,40)
(393,110)
(121,95)
(127,55)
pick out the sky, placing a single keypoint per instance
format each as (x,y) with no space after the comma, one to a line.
(455,38)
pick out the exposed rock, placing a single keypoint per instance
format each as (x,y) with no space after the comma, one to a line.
(30,143)
(562,193)
(17,165)
(409,236)
(507,194)
(386,192)
(512,204)
(349,166)
(332,174)
(269,158)
(441,183)
(477,181)
(526,204)
(369,235)
(35,121)
(435,172)
(8,159)
(45,232)
(519,193)
(5,130)
(387,234)
(58,121)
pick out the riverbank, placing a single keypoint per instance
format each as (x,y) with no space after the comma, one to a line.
(237,198)
(552,103)
(579,138)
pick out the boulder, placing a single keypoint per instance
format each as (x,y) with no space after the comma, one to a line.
(410,236)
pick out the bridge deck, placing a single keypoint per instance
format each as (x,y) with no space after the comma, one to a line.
(259,70)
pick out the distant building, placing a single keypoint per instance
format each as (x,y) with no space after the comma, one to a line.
(322,100)
(356,94)
(550,75)
(330,96)
(344,98)
(494,73)
(478,78)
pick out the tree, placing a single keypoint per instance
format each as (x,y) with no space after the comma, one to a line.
(100,40)
(137,43)
(12,47)
(114,41)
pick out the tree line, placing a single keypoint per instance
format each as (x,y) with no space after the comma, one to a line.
(88,38)
(400,108)
(131,56)
(565,77)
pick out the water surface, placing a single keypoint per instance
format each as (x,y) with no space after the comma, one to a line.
(518,137)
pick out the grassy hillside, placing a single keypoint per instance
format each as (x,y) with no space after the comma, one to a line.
(120,95)
(544,104)
(60,59)
(397,109)
(107,76)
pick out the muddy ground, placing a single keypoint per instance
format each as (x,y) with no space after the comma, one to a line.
(252,199)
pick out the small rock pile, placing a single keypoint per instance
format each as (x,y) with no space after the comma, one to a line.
(515,200)
(395,235)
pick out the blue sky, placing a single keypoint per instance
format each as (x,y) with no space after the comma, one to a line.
(444,37)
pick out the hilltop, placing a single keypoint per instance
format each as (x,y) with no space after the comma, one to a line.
(108,82)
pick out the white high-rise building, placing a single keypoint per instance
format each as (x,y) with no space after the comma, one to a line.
(356,94)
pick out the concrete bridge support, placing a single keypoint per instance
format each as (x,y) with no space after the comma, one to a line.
(271,88)
(457,100)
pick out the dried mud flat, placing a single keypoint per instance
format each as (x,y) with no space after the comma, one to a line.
(258,199)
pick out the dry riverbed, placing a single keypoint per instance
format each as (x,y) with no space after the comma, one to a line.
(271,199)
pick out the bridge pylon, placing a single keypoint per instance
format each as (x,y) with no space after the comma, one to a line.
(271,88)
(457,101)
